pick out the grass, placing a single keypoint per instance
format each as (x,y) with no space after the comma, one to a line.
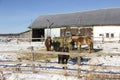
(42,56)
(37,56)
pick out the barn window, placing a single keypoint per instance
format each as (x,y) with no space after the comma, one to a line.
(68,34)
(112,35)
(100,34)
(107,35)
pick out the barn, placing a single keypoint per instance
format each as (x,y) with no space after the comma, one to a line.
(102,24)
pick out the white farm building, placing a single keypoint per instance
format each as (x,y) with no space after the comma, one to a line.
(102,24)
(106,33)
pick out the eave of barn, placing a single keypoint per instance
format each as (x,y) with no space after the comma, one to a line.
(79,19)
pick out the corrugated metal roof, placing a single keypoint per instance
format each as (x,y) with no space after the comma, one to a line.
(95,17)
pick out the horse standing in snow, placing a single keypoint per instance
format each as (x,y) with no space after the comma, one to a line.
(82,40)
(62,59)
(48,43)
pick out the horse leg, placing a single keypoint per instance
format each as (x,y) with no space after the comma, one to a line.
(79,48)
(89,48)
(47,48)
(66,59)
(63,59)
(59,59)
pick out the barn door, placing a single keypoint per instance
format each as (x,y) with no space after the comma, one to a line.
(37,33)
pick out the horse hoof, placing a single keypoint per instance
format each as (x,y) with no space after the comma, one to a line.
(64,67)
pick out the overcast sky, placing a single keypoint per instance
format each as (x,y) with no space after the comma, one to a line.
(17,15)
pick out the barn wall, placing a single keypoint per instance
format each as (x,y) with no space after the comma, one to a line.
(72,31)
(27,34)
(61,32)
(87,31)
(81,31)
(54,32)
(106,33)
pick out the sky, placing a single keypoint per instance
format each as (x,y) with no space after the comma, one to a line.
(17,15)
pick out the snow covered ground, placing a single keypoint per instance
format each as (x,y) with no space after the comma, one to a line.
(40,76)
(110,48)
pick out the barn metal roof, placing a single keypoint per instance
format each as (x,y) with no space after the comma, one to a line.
(86,18)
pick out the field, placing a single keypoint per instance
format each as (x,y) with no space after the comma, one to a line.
(103,63)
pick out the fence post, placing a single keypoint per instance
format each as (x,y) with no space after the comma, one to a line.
(2,76)
(78,61)
(33,65)
(17,40)
(18,69)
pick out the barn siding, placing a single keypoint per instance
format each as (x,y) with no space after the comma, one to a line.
(26,34)
(106,33)
(54,32)
(87,31)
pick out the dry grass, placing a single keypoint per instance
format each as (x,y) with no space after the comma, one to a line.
(37,56)
(42,56)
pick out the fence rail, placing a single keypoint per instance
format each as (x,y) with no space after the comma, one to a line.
(100,39)
(90,72)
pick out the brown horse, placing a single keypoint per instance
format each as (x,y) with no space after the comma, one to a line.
(82,40)
(48,43)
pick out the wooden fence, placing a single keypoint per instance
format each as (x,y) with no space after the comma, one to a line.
(90,74)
